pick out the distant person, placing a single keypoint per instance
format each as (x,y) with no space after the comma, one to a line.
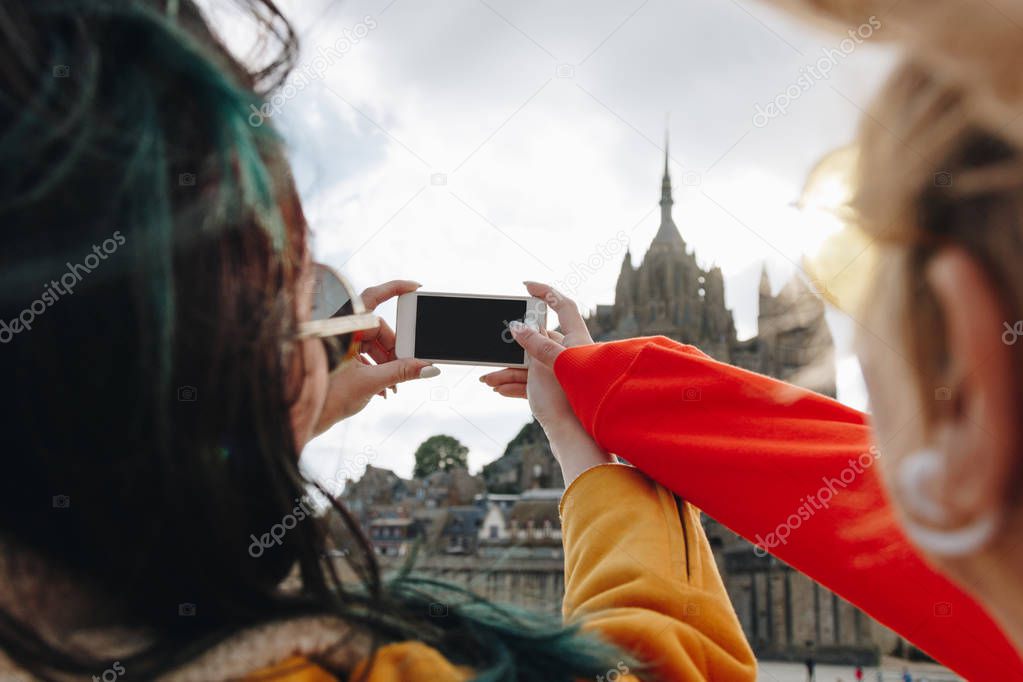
(906,677)
(811,667)
(859,673)
(921,498)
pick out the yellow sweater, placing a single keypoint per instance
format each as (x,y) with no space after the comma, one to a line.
(638,570)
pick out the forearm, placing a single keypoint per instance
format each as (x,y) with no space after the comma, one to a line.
(788,469)
(574,448)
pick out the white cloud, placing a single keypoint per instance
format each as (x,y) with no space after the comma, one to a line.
(541,170)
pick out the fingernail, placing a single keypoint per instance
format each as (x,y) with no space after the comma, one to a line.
(429,372)
(516,326)
(483,380)
(417,284)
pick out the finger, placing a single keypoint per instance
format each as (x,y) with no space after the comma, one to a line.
(379,377)
(539,347)
(556,335)
(378,358)
(374,296)
(568,312)
(365,361)
(376,352)
(505,376)
(383,338)
(512,390)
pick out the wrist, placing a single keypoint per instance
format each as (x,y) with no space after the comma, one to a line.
(566,432)
(574,448)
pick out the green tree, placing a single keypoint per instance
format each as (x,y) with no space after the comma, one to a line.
(439,453)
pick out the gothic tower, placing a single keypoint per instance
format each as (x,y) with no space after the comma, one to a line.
(670,294)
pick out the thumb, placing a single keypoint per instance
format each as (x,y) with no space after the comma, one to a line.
(379,377)
(539,346)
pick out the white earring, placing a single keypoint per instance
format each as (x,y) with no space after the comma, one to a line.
(914,473)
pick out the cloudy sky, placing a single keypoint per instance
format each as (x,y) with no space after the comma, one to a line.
(472,144)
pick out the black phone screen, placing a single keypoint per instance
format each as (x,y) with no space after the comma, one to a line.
(468,329)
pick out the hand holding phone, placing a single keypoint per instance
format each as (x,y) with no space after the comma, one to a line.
(574,448)
(465,329)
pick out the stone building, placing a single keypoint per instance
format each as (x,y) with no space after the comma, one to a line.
(527,463)
(671,294)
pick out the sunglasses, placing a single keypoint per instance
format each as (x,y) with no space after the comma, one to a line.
(339,318)
(846,262)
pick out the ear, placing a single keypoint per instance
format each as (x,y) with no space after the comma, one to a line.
(980,439)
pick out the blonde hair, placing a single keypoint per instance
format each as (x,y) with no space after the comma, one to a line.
(940,158)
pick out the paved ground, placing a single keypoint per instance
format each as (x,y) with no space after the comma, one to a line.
(891,671)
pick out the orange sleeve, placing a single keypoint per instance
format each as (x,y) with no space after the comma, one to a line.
(639,570)
(789,470)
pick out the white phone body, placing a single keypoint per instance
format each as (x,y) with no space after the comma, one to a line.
(534,315)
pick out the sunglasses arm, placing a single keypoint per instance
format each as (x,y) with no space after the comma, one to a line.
(337,326)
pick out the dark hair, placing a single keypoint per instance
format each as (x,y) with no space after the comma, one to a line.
(152,241)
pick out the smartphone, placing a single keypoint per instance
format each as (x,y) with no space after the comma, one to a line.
(465,329)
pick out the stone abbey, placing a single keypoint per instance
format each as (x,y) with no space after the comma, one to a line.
(671,295)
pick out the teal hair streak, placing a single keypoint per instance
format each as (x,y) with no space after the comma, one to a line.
(245,182)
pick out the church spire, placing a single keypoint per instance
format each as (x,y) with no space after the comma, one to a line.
(667,233)
(666,181)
